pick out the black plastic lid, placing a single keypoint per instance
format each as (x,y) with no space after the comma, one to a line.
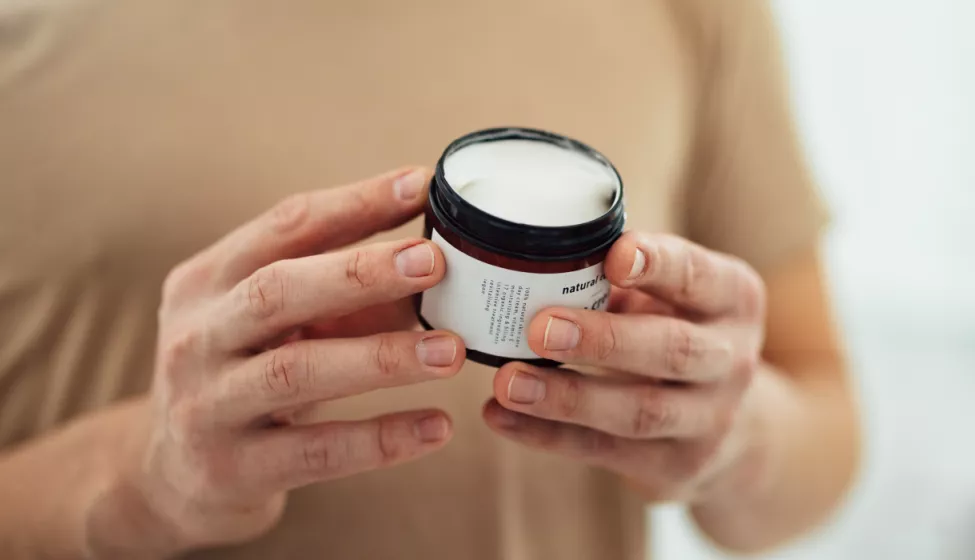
(522,241)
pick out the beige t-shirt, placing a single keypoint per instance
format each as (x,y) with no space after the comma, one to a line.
(135,132)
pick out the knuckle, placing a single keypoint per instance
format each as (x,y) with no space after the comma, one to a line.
(180,350)
(286,372)
(653,416)
(215,470)
(743,370)
(670,249)
(189,416)
(607,341)
(337,454)
(266,292)
(698,275)
(386,357)
(386,446)
(745,366)
(751,291)
(568,397)
(682,349)
(721,354)
(360,272)
(361,201)
(173,283)
(290,213)
(181,281)
(315,456)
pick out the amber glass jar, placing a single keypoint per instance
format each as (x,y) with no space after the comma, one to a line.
(500,272)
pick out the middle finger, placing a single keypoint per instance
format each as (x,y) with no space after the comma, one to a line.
(648,345)
(309,371)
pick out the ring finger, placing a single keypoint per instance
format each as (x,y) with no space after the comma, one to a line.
(287,458)
(293,293)
(624,409)
(661,464)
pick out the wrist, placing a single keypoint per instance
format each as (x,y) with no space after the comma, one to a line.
(773,492)
(119,519)
(744,477)
(121,524)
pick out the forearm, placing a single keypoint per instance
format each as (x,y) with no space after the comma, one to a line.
(804,449)
(67,495)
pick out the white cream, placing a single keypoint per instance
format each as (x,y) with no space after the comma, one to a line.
(531,182)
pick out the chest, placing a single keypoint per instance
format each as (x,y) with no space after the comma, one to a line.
(156,128)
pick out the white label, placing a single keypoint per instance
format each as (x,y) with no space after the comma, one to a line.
(490,307)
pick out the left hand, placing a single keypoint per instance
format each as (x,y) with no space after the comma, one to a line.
(672,361)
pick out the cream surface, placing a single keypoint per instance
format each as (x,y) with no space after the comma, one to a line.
(531,182)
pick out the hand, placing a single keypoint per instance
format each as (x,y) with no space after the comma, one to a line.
(674,358)
(245,338)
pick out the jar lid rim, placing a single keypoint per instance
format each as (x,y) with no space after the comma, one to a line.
(525,241)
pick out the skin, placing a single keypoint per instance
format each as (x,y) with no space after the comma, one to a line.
(706,383)
(252,329)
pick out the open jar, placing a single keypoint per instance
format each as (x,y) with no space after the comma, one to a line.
(525,219)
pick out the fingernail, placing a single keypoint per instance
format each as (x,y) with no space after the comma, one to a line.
(416,261)
(639,265)
(431,429)
(525,388)
(560,335)
(439,351)
(409,186)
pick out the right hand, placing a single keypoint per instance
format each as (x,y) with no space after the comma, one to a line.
(233,360)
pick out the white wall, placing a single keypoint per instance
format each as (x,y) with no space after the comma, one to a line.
(885,93)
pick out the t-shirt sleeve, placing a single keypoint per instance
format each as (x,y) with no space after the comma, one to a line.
(750,192)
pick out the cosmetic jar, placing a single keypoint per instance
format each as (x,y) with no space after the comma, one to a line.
(525,219)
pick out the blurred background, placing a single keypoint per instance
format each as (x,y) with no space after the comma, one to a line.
(885,98)
(885,95)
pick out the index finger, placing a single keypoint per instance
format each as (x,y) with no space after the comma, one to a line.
(685,274)
(292,293)
(311,222)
